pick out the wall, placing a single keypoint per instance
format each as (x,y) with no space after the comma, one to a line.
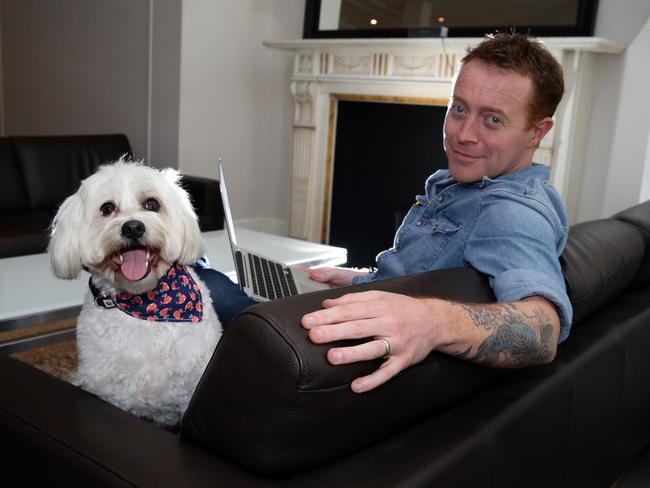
(98,66)
(189,80)
(235,101)
(93,66)
(617,166)
(645,178)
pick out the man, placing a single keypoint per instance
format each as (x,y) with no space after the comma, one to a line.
(492,210)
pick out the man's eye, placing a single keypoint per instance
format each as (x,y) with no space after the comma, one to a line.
(458,108)
(107,209)
(151,204)
(494,120)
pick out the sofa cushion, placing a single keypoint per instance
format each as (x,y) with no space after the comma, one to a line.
(24,233)
(53,166)
(13,196)
(600,260)
(270,400)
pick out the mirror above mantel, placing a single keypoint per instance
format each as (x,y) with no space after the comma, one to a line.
(463,18)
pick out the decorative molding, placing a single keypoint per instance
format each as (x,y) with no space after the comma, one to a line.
(354,97)
(329,167)
(303,95)
(416,71)
(302,157)
(304,65)
(415,65)
(350,64)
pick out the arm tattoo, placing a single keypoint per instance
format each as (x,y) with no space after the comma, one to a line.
(523,339)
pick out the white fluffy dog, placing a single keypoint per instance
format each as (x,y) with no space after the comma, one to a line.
(147,328)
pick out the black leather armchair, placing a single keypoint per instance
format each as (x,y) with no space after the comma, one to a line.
(270,410)
(39,172)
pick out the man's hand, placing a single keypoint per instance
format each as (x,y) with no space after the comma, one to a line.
(335,277)
(405,322)
(512,335)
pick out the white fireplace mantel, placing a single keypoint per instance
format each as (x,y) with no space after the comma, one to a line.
(418,71)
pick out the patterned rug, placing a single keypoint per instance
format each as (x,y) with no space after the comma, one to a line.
(50,347)
(58,359)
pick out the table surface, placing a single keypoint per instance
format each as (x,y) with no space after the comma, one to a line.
(27,285)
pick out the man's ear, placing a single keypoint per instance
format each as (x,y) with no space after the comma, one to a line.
(540,129)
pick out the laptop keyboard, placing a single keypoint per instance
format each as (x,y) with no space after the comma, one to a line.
(271,279)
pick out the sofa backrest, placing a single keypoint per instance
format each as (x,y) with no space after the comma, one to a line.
(639,216)
(600,261)
(13,196)
(605,257)
(52,167)
(270,400)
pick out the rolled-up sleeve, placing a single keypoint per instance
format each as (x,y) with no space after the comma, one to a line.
(516,240)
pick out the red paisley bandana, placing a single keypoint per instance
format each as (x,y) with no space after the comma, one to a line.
(176,298)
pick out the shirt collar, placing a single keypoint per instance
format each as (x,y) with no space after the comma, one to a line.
(441,179)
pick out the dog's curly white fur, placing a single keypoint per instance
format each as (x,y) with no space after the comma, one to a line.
(148,369)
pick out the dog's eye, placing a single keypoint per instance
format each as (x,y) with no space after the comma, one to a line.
(151,204)
(107,208)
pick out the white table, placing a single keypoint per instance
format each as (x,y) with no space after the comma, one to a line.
(27,285)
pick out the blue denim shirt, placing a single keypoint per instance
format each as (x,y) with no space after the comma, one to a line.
(512,228)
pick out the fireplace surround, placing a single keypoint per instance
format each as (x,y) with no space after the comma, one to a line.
(413,71)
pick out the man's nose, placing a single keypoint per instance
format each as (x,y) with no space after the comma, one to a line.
(468,130)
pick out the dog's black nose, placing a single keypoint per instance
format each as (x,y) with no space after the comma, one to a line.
(133,229)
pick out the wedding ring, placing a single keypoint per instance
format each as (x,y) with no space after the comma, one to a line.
(386,347)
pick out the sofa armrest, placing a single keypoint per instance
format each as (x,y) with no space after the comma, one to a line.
(270,400)
(205,197)
(53,433)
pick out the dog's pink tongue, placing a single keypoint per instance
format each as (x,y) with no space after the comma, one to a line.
(134,266)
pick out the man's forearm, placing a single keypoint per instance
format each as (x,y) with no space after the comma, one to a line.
(516,334)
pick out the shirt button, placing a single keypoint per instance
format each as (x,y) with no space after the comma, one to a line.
(418,223)
(439,198)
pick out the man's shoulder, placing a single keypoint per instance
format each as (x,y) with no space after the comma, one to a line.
(526,199)
(531,182)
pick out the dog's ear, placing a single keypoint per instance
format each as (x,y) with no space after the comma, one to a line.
(193,247)
(191,242)
(64,246)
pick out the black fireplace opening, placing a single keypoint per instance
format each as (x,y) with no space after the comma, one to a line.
(382,156)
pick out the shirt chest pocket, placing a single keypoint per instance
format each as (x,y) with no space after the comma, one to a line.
(425,240)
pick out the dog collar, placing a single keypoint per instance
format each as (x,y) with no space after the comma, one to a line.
(176,298)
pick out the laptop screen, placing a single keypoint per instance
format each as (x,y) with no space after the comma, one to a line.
(230,227)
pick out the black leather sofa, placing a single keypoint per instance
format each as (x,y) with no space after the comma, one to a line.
(39,172)
(270,411)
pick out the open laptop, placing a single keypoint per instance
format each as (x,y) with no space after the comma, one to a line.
(260,277)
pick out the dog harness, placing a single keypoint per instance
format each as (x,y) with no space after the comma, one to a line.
(176,298)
